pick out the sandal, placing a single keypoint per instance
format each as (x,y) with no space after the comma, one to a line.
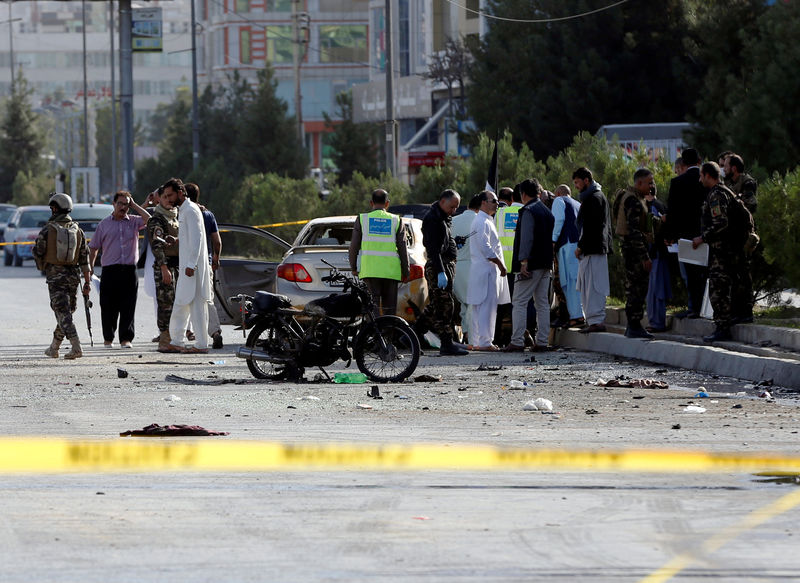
(172,349)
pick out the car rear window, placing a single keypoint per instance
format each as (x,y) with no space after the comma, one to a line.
(32,219)
(328,235)
(5,214)
(88,217)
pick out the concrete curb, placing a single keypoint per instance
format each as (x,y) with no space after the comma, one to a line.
(713,359)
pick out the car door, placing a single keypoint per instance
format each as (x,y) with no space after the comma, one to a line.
(248,264)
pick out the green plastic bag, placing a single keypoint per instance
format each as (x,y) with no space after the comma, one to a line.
(355,378)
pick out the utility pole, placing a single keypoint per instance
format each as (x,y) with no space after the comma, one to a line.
(11,43)
(300,25)
(126,90)
(195,120)
(85,93)
(389,91)
(113,100)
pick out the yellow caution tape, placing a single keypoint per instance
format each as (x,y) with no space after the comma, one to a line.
(17,243)
(20,455)
(303,222)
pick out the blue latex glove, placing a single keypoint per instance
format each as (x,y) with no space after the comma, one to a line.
(441,280)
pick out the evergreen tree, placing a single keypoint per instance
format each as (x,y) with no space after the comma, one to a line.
(545,82)
(355,145)
(21,142)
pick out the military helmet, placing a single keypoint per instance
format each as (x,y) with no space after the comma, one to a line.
(62,201)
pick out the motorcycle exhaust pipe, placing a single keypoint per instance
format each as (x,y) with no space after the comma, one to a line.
(253,354)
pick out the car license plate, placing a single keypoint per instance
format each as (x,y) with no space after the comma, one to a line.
(335,283)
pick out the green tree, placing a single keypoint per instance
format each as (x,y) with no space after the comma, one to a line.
(21,142)
(266,137)
(719,46)
(622,65)
(355,145)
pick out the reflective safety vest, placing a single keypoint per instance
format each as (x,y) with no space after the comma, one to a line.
(506,222)
(379,257)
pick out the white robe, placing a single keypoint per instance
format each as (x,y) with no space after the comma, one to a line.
(192,252)
(485,244)
(462,227)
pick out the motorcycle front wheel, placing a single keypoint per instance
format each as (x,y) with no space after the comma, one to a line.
(390,361)
(274,340)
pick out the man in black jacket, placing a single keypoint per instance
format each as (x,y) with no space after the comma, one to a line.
(440,270)
(594,246)
(684,209)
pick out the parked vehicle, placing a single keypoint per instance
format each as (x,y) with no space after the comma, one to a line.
(337,326)
(249,263)
(326,241)
(6,210)
(26,222)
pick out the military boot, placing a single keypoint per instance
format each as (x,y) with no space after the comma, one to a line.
(164,340)
(52,350)
(76,351)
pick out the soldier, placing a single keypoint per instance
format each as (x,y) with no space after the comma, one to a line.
(440,271)
(634,225)
(723,257)
(162,234)
(745,187)
(60,250)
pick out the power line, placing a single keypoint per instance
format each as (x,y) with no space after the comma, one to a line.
(540,20)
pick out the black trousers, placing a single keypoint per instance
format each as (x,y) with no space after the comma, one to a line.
(695,285)
(384,292)
(118,287)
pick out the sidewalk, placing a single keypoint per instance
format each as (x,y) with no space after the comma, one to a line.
(756,353)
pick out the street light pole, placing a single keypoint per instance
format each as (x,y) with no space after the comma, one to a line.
(195,120)
(11,43)
(85,94)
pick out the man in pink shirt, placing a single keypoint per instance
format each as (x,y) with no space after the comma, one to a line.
(118,237)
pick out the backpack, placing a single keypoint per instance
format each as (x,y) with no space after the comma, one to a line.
(66,242)
(618,212)
(741,225)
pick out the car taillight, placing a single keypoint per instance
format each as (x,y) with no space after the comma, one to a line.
(416,272)
(294,272)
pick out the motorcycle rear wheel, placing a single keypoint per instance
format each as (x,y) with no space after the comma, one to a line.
(274,340)
(397,361)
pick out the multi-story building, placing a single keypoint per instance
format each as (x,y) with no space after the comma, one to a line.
(421,106)
(47,40)
(245,35)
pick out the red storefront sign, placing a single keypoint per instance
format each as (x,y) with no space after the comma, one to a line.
(417,159)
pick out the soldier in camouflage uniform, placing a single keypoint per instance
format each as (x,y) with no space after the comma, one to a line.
(746,188)
(440,272)
(634,224)
(63,259)
(723,257)
(162,234)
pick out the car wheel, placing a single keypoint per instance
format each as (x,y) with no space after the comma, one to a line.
(17,260)
(8,257)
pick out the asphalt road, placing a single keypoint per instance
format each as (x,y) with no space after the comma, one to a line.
(383,526)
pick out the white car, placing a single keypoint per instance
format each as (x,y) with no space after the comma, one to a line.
(301,271)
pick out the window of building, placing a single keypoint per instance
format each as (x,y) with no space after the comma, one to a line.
(345,43)
(473,6)
(279,5)
(377,39)
(279,44)
(339,6)
(245,55)
(404,40)
(242,6)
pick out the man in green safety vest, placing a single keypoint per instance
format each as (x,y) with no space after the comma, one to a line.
(505,221)
(378,253)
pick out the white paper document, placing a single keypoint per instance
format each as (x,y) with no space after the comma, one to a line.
(697,256)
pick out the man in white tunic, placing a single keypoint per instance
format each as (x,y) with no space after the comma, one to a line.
(488,285)
(193,291)
(461,229)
